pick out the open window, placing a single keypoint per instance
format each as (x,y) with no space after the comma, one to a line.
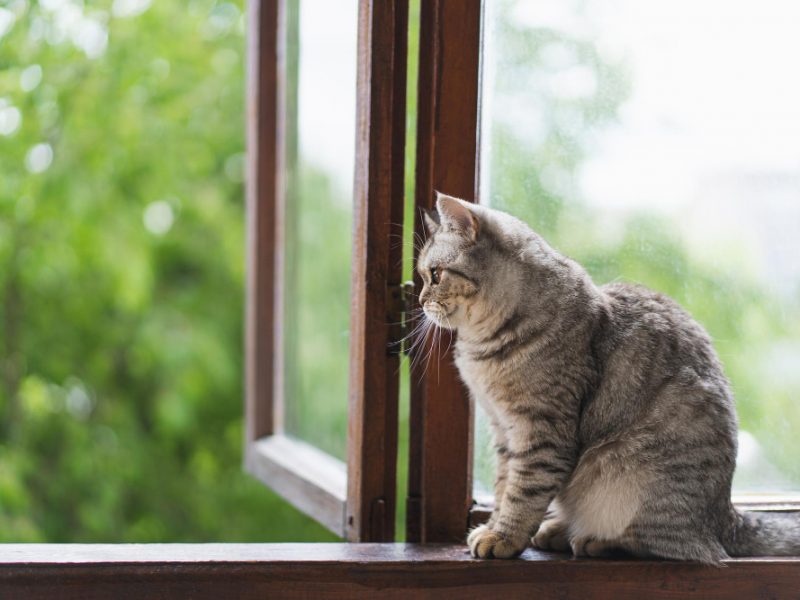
(322,393)
(515,101)
(327,121)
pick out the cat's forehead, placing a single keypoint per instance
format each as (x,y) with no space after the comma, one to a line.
(442,249)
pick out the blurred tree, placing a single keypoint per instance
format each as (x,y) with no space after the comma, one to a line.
(121,245)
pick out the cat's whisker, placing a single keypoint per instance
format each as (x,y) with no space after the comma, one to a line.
(439,351)
(432,349)
(422,220)
(450,341)
(427,340)
(412,333)
(410,317)
(418,338)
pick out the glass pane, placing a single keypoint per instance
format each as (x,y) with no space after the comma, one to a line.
(412,63)
(321,107)
(660,143)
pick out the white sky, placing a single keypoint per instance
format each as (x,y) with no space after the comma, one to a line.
(327,87)
(710,135)
(716,89)
(716,96)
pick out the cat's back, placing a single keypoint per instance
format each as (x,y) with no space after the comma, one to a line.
(636,311)
(650,338)
(658,368)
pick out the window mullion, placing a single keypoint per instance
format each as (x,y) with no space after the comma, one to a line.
(440,461)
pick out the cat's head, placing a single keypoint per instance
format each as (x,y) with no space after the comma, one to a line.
(469,263)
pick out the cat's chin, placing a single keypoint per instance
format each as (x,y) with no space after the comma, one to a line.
(439,319)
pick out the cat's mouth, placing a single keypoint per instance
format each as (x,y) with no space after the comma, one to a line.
(437,313)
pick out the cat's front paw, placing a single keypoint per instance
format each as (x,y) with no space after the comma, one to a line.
(487,543)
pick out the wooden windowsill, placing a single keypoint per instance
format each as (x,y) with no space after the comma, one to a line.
(120,571)
(305,476)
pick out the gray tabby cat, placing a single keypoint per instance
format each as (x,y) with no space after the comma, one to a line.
(614,424)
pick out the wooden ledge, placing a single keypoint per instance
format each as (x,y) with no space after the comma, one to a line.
(121,571)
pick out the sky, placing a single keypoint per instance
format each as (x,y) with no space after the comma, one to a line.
(710,134)
(327,87)
(715,92)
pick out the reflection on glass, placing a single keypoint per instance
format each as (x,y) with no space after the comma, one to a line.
(321,104)
(660,143)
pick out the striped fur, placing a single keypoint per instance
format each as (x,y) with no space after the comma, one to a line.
(608,404)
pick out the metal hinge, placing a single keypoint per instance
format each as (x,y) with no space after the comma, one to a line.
(398,304)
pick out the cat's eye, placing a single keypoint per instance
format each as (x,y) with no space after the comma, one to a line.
(434,276)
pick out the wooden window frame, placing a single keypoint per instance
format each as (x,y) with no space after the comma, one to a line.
(441,416)
(355,500)
(251,571)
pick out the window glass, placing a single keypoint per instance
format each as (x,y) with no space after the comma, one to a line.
(659,143)
(321,111)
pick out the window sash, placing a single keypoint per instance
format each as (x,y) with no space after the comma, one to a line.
(441,417)
(356,500)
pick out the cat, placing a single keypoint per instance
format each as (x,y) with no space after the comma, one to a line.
(614,424)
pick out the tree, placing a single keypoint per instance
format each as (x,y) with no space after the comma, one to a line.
(121,244)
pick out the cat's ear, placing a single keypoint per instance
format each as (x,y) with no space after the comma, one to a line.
(430,218)
(458,215)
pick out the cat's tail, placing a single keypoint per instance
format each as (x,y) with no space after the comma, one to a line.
(764,534)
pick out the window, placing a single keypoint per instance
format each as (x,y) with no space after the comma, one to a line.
(302,360)
(303,212)
(532,107)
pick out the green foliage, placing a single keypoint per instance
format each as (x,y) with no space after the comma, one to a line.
(122,368)
(317,312)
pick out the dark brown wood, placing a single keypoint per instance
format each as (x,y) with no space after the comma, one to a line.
(440,462)
(310,479)
(377,264)
(248,571)
(262,111)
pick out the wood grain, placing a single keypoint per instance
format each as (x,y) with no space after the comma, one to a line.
(440,461)
(123,571)
(377,264)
